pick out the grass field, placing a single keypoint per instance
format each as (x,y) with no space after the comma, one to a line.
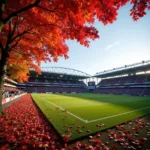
(83,114)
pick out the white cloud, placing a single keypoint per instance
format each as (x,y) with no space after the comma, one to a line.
(112,45)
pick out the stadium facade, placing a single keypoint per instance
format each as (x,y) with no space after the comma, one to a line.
(131,79)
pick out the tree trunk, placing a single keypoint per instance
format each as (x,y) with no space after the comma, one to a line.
(3,69)
(1,96)
(1,26)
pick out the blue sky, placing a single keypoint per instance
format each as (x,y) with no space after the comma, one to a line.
(121,43)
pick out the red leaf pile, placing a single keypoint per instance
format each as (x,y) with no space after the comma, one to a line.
(25,127)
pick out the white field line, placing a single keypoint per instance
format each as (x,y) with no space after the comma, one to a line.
(86,121)
(118,115)
(66,111)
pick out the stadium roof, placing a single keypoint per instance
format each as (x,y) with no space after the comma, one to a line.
(60,73)
(127,69)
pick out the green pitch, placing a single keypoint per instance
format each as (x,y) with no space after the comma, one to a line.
(83,114)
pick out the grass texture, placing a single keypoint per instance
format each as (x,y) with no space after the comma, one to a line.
(84,114)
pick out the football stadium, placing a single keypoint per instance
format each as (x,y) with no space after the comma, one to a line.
(74,74)
(79,106)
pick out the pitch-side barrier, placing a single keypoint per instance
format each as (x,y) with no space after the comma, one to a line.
(8,99)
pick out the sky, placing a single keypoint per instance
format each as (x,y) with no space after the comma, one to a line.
(121,43)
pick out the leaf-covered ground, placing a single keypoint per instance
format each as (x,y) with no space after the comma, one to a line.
(25,127)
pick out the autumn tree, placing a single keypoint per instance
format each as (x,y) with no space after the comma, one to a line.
(32,31)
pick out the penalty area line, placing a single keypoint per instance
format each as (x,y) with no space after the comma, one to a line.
(85,121)
(118,114)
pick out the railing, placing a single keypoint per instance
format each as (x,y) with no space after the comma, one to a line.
(8,99)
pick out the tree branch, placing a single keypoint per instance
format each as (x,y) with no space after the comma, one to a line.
(15,43)
(52,11)
(6,20)
(13,31)
(46,9)
(19,52)
(10,35)
(19,35)
(9,32)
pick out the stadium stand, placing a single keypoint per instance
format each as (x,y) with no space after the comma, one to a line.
(136,79)
(122,80)
(11,91)
(10,88)
(56,80)
(125,80)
